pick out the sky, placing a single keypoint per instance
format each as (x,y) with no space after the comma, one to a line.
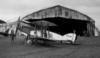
(10,10)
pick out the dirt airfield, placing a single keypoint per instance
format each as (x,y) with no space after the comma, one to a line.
(86,47)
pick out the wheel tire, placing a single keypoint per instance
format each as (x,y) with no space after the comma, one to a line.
(29,42)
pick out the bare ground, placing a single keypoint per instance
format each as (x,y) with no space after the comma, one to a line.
(87,48)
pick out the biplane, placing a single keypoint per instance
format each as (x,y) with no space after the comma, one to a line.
(40,33)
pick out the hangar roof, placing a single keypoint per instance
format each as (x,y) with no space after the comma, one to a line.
(58,11)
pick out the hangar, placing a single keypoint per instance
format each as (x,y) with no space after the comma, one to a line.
(67,20)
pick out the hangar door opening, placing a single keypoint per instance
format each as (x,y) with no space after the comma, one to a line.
(65,26)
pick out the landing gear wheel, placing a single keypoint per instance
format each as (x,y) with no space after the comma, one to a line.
(29,42)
